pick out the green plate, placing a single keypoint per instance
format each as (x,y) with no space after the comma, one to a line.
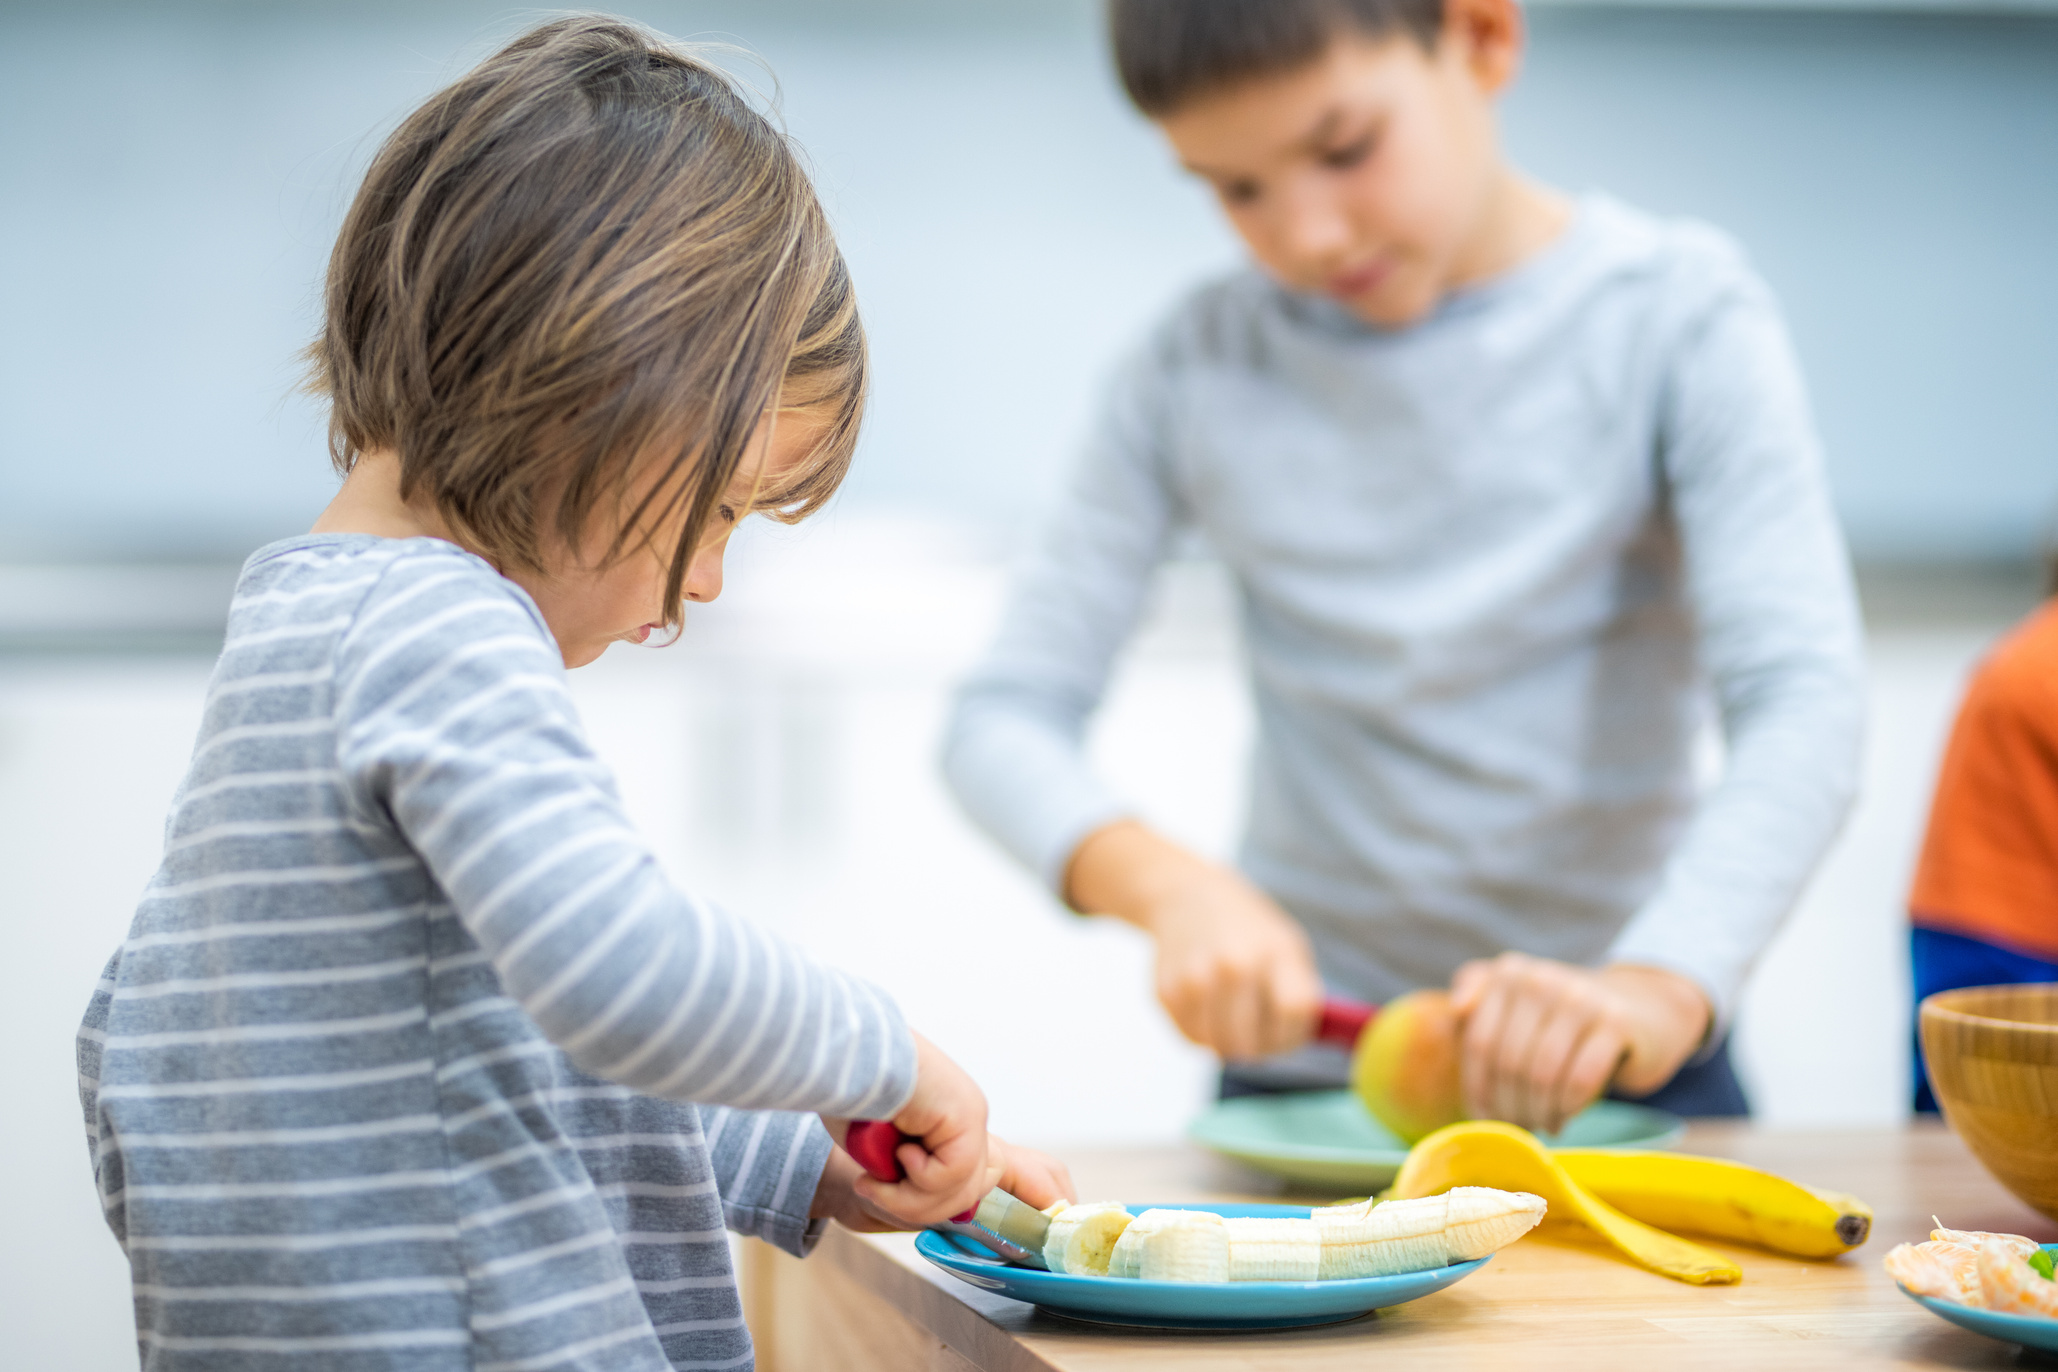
(1325,1139)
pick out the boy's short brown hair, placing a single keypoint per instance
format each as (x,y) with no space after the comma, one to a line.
(587,254)
(1169,51)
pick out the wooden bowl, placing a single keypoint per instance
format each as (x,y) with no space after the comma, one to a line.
(1993,1062)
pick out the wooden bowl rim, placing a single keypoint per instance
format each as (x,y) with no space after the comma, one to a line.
(1937,1005)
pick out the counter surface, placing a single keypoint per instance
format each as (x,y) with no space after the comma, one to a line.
(1553,1300)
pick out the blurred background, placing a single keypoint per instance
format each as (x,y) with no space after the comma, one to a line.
(170,182)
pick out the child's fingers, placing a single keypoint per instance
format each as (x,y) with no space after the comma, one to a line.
(1028,1175)
(1563,1029)
(1592,1062)
(1293,1003)
(1510,1058)
(1469,985)
(945,1175)
(1480,1041)
(1239,1013)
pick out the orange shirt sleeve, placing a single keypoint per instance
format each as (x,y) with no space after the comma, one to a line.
(1989,866)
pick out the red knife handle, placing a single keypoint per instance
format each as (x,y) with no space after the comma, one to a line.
(875,1146)
(1341,1023)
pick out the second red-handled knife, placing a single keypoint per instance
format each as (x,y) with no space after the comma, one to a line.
(1010,1227)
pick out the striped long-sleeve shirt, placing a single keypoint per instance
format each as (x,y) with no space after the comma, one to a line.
(412,1057)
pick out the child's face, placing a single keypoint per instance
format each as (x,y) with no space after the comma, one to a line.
(1372,174)
(590,608)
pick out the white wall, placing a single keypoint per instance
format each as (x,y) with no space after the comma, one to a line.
(781,759)
(1011,225)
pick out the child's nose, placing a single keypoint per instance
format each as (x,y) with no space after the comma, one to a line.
(704,577)
(1314,227)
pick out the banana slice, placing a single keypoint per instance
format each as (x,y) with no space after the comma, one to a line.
(1274,1249)
(1466,1222)
(1193,1245)
(1082,1237)
(1127,1258)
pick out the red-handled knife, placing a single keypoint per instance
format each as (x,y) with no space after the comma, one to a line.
(1012,1228)
(1343,1020)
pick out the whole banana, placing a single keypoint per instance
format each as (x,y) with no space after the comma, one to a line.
(1722,1199)
(1489,1153)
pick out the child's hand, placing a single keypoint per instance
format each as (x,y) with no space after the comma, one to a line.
(1542,1039)
(1234,970)
(1027,1175)
(946,1171)
(1022,1172)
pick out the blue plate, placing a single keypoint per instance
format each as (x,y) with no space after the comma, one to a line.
(1188,1304)
(2029,1330)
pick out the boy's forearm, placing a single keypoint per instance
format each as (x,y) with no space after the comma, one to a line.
(1128,870)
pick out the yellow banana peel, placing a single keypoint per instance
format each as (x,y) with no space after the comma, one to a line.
(1490,1153)
(1722,1199)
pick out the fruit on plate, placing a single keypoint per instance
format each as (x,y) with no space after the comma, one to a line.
(1263,1249)
(1722,1199)
(1365,1239)
(1405,1065)
(1082,1237)
(1188,1245)
(2002,1272)
(1380,1238)
(1489,1153)
(1127,1258)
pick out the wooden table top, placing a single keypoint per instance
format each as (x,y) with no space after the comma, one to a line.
(1552,1300)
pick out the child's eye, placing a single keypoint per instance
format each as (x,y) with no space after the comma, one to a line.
(727,514)
(1237,192)
(1350,155)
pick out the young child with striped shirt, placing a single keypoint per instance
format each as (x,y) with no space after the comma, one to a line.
(413,1058)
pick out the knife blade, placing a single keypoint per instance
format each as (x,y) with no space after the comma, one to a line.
(1006,1225)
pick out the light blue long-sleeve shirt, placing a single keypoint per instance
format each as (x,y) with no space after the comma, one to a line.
(1492,570)
(413,1058)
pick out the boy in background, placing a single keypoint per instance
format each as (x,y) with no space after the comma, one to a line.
(1510,484)
(1984,911)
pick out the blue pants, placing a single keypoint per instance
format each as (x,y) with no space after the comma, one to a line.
(1945,962)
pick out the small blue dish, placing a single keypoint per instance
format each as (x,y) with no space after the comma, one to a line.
(1189,1305)
(2031,1331)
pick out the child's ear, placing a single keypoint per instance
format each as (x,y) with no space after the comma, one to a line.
(1486,36)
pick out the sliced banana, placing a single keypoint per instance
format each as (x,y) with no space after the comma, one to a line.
(1127,1258)
(1193,1245)
(1365,1239)
(1082,1237)
(1274,1249)
(1466,1222)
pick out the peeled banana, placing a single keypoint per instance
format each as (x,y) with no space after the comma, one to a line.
(1725,1200)
(1367,1239)
(1274,1249)
(1082,1237)
(1126,1260)
(1190,1245)
(1376,1239)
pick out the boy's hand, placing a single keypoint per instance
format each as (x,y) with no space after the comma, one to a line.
(946,1171)
(1542,1039)
(1234,970)
(1024,1173)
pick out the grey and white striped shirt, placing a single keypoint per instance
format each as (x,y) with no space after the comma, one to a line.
(412,1057)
